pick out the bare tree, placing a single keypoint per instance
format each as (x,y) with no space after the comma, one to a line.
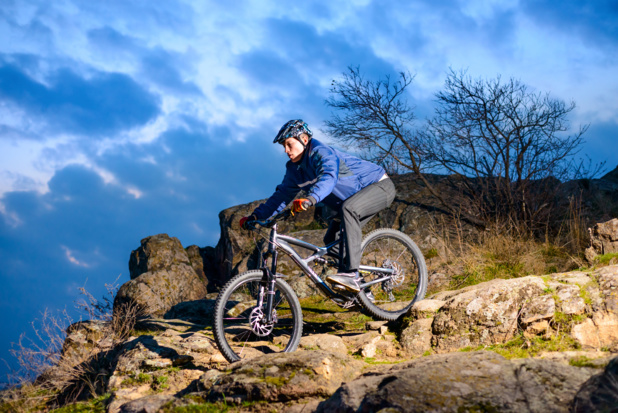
(504,147)
(511,140)
(375,118)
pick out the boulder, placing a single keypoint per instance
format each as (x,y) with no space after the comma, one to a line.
(583,304)
(487,313)
(161,277)
(157,252)
(600,331)
(600,392)
(84,340)
(603,239)
(146,404)
(285,376)
(325,342)
(478,381)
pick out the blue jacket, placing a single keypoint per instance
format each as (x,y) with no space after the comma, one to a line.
(326,174)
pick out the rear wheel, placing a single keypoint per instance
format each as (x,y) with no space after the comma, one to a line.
(393,250)
(240,326)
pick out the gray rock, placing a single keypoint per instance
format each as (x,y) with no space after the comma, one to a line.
(485,313)
(161,277)
(607,278)
(375,325)
(570,301)
(416,338)
(479,381)
(600,392)
(285,376)
(603,239)
(325,342)
(147,404)
(157,252)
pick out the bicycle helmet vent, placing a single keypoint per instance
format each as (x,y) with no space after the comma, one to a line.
(293,129)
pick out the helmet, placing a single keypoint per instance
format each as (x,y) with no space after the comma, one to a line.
(293,129)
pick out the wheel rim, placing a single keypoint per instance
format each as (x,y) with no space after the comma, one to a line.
(391,252)
(244,328)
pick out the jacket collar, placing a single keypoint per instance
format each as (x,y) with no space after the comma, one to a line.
(304,162)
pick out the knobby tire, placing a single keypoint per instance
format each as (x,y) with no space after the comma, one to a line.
(231,324)
(401,250)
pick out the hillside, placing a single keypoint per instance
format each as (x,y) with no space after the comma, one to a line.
(509,342)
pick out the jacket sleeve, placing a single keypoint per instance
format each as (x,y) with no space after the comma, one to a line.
(326,165)
(284,194)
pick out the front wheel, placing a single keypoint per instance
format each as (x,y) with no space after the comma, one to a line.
(404,285)
(240,326)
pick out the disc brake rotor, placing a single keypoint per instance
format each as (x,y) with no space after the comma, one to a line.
(399,273)
(258,322)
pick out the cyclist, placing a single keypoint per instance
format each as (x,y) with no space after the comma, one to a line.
(356,189)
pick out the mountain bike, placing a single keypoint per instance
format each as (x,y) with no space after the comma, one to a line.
(257,312)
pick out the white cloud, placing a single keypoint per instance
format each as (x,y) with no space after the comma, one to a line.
(204,41)
(70,256)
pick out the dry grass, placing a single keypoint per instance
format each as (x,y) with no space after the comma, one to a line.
(468,257)
(55,371)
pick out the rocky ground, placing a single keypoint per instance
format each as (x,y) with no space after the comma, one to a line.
(531,344)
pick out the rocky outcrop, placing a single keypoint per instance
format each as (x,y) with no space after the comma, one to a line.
(162,276)
(480,381)
(414,211)
(583,305)
(175,362)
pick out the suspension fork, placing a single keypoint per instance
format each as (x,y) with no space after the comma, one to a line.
(269,276)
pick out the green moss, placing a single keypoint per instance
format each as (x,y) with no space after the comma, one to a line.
(583,293)
(159,383)
(564,322)
(520,347)
(277,381)
(219,407)
(606,258)
(432,253)
(136,379)
(95,405)
(582,361)
(318,304)
(372,360)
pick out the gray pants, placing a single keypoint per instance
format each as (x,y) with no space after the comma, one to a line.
(355,212)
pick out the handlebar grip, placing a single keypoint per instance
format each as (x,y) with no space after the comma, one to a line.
(306,204)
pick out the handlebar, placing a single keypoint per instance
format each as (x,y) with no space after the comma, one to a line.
(268,223)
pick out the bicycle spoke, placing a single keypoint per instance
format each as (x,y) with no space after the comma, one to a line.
(250,334)
(398,292)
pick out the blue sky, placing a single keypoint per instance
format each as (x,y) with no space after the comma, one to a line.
(123,119)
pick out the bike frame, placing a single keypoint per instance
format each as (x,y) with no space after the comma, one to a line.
(285,242)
